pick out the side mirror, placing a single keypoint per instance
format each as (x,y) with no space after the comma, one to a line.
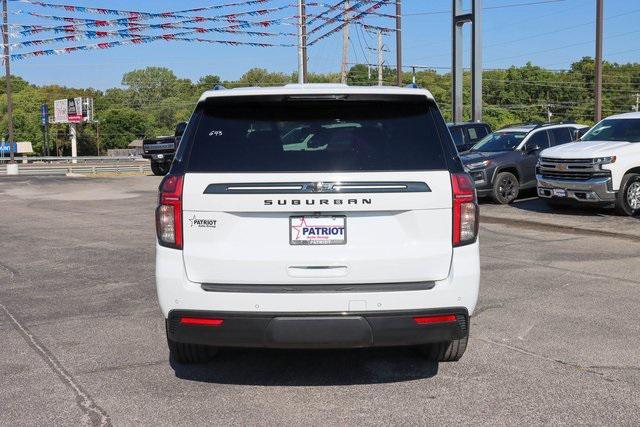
(577,134)
(180,127)
(531,147)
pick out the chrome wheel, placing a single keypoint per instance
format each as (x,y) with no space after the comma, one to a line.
(633,195)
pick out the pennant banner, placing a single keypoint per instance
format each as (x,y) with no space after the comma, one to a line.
(136,41)
(231,17)
(353,8)
(355,18)
(135,13)
(138,26)
(131,33)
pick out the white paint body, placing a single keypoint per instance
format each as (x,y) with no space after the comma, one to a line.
(397,237)
(627,153)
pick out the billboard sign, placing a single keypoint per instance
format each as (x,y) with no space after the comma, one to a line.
(73,110)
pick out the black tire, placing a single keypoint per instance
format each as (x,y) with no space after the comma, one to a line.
(450,351)
(190,353)
(159,169)
(506,188)
(628,198)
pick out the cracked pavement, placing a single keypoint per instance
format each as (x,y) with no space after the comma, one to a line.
(555,338)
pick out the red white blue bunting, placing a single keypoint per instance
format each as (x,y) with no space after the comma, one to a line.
(355,18)
(135,13)
(136,41)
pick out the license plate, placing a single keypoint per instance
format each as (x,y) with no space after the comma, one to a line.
(317,230)
(559,193)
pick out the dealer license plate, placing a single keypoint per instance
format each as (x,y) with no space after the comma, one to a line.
(559,192)
(317,230)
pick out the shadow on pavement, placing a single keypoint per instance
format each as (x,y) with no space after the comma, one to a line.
(266,367)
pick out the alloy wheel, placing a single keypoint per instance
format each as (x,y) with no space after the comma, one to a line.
(633,195)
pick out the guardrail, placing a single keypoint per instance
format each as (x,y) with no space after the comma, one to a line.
(68,159)
(84,165)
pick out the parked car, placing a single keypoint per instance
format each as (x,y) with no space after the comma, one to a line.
(602,168)
(466,135)
(504,162)
(366,237)
(160,150)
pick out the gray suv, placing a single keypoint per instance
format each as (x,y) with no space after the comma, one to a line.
(504,162)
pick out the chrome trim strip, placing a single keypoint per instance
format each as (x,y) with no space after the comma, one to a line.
(317,187)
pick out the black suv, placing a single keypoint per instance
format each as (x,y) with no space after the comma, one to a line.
(466,135)
(504,162)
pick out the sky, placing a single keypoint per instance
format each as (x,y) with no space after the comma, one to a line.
(548,33)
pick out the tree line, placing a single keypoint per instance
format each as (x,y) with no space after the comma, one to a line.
(152,100)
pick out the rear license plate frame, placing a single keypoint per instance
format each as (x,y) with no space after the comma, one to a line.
(334,222)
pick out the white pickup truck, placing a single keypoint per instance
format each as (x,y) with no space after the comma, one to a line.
(602,168)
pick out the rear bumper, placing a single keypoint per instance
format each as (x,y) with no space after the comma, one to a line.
(318,330)
(594,190)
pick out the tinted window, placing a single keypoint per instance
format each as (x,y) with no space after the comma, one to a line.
(615,130)
(540,139)
(561,135)
(265,134)
(458,138)
(500,141)
(482,131)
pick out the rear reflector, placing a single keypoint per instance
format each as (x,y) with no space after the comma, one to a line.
(435,319)
(201,321)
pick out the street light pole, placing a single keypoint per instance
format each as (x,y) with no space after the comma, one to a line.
(399,40)
(598,65)
(7,75)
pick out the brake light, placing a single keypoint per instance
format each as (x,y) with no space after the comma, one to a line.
(203,321)
(169,212)
(423,320)
(465,209)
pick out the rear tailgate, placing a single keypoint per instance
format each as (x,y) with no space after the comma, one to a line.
(233,236)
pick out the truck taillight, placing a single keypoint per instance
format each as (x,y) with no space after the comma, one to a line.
(465,209)
(169,212)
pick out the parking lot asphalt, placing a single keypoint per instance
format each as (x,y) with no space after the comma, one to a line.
(555,338)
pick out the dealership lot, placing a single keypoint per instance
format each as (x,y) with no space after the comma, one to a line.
(554,338)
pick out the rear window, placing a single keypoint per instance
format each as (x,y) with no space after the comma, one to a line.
(286,134)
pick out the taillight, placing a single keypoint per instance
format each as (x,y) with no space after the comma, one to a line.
(169,212)
(465,209)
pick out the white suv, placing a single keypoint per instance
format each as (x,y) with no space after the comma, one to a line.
(317,216)
(602,168)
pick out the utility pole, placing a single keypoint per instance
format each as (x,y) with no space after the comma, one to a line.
(303,26)
(345,44)
(598,65)
(300,48)
(7,76)
(399,40)
(379,57)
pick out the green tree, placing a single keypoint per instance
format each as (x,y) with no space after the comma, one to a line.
(120,126)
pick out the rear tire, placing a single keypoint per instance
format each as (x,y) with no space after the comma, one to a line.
(506,188)
(159,169)
(628,198)
(190,353)
(450,351)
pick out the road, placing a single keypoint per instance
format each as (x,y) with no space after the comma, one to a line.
(555,338)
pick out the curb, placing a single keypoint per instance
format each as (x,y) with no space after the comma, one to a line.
(545,226)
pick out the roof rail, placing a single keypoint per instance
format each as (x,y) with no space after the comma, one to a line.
(219,87)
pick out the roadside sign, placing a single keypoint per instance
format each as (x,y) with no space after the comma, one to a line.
(73,110)
(5,147)
(43,114)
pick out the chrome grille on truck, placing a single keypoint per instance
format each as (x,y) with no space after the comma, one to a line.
(570,169)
